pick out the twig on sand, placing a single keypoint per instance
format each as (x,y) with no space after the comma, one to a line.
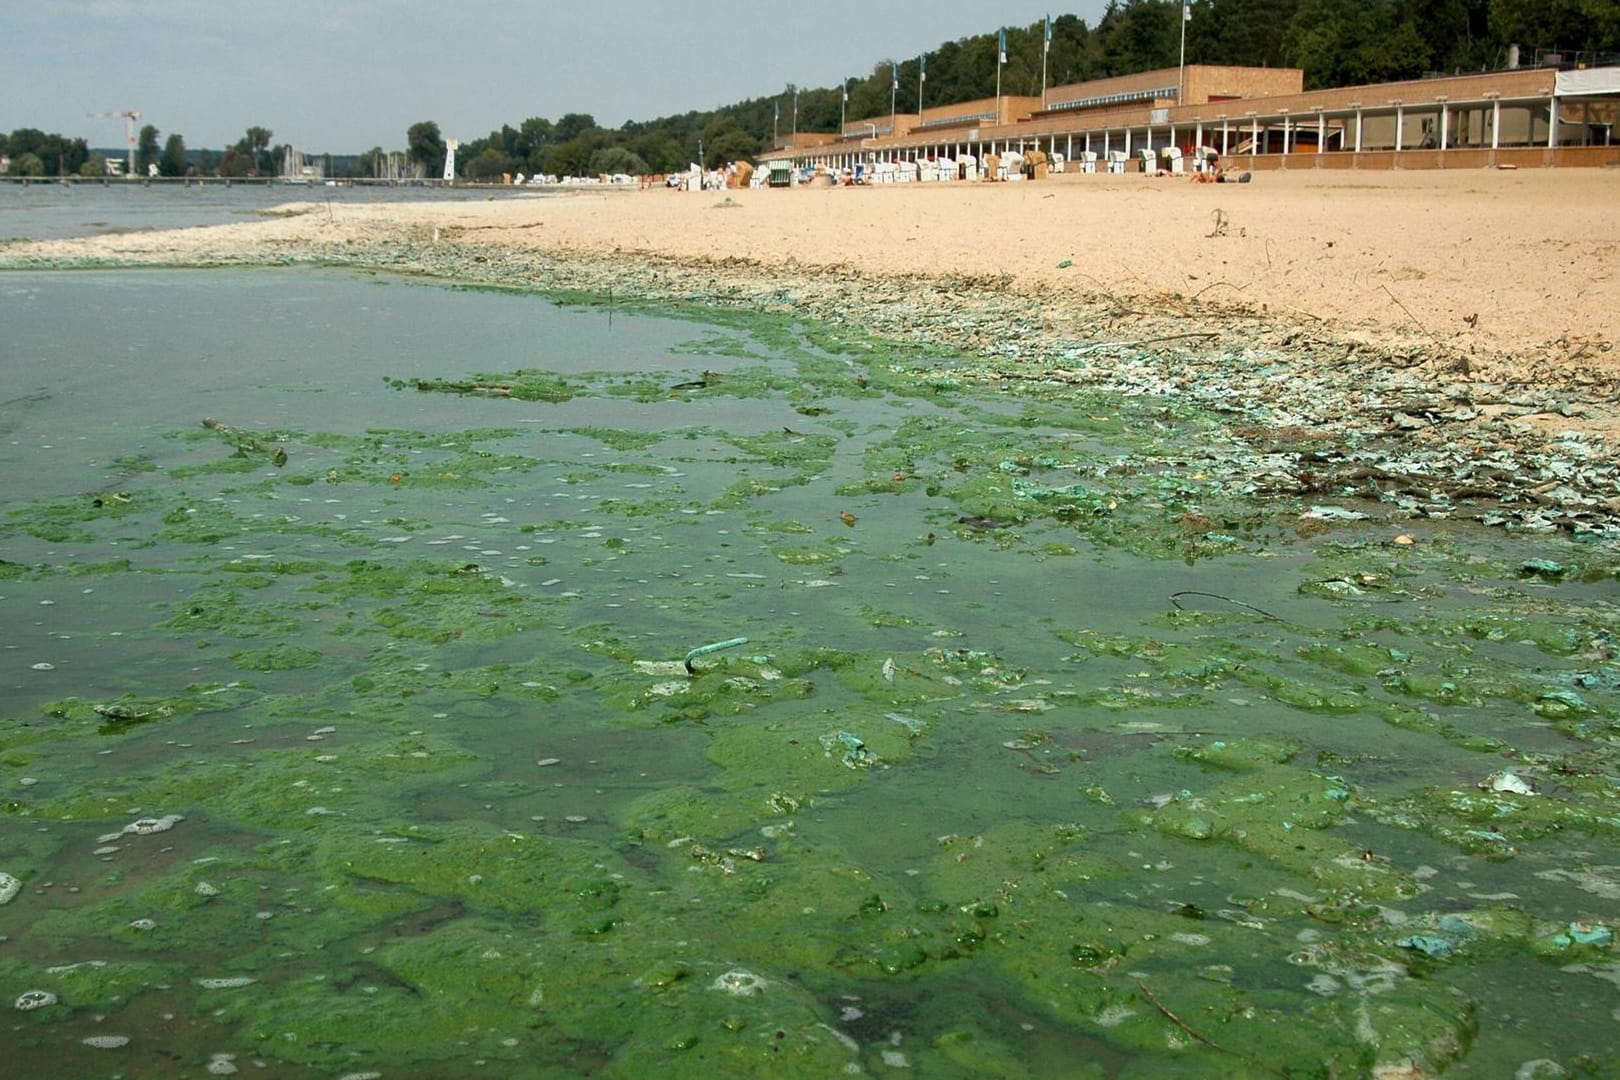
(1409,314)
(1216,285)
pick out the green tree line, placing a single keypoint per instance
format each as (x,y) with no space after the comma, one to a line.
(1336,42)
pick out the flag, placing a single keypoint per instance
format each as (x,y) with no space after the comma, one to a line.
(922,68)
(1186,13)
(894,69)
(1003,46)
(846,93)
(1048,33)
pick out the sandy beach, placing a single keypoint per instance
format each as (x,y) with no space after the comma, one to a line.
(1419,312)
(1493,260)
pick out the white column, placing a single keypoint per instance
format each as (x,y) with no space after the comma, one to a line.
(1321,133)
(1496,123)
(1358,129)
(1127,142)
(1254,145)
(1223,137)
(1445,124)
(1400,121)
(1552,122)
(1285,134)
(1198,137)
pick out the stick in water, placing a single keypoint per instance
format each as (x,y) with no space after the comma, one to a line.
(704,650)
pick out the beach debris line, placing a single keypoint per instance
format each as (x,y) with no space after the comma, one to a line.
(848,748)
(706,380)
(524,385)
(705,650)
(246,443)
(448,386)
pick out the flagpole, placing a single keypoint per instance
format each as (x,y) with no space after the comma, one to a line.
(1046,51)
(1001,58)
(894,94)
(922,77)
(1181,78)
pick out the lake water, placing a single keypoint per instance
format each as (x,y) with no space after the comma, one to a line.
(345,728)
(53,211)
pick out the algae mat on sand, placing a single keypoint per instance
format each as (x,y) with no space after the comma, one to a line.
(354,731)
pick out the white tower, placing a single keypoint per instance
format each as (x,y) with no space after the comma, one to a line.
(450,148)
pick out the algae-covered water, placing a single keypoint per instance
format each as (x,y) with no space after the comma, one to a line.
(348,726)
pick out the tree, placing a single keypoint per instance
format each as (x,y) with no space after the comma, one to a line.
(425,147)
(488,164)
(146,149)
(573,126)
(724,142)
(27,164)
(661,152)
(1592,25)
(256,144)
(250,156)
(616,159)
(1141,35)
(571,158)
(530,147)
(173,160)
(95,168)
(1249,32)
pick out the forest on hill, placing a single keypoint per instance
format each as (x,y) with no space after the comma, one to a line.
(1335,42)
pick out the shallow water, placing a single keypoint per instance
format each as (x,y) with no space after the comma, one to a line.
(1044,756)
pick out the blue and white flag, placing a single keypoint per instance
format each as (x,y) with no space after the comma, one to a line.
(922,68)
(1003,46)
(1048,33)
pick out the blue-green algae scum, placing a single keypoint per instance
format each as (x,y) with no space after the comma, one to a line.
(349,727)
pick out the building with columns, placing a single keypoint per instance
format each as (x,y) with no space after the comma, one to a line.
(1260,118)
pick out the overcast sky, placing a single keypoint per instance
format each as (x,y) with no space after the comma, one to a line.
(342,76)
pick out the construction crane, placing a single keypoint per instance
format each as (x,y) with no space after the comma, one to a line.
(130,116)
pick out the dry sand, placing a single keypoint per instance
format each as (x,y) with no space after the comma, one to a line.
(1511,260)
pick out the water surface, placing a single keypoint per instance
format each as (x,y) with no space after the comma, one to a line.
(345,728)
